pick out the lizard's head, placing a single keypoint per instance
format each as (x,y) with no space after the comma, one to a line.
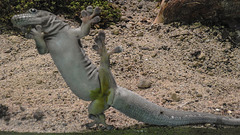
(31,18)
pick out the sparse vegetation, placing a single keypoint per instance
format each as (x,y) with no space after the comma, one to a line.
(70,8)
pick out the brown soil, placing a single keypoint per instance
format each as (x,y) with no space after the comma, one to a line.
(190,67)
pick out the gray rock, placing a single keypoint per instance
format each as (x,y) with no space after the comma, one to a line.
(115,32)
(38,115)
(3,110)
(39,81)
(144,84)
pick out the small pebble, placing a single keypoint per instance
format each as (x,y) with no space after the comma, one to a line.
(115,32)
(144,84)
(39,81)
(38,115)
(88,37)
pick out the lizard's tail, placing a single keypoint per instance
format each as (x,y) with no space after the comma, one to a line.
(135,106)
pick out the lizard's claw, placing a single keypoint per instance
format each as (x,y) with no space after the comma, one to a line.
(90,16)
(96,11)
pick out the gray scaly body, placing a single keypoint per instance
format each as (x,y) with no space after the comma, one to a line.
(63,43)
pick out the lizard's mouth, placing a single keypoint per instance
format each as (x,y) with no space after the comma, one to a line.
(26,29)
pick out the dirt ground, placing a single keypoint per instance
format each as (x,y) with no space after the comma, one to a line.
(188,67)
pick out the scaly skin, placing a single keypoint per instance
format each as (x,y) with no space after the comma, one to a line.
(54,36)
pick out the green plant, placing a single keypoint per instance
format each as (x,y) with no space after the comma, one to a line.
(70,8)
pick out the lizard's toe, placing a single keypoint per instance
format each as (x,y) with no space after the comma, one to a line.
(90,10)
(110,127)
(90,16)
(89,125)
(84,13)
(96,19)
(97,11)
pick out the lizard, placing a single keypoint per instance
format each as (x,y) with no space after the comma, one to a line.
(52,35)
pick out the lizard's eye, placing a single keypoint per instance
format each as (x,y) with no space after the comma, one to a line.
(33,10)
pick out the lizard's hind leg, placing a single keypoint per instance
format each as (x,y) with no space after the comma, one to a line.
(102,97)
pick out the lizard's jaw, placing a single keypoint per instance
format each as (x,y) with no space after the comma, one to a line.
(24,20)
(26,29)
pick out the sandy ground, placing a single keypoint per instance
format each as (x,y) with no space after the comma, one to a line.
(190,67)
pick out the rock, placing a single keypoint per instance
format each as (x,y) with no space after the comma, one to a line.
(229,112)
(144,84)
(164,47)
(175,98)
(218,110)
(130,44)
(115,32)
(39,81)
(144,48)
(198,10)
(38,115)
(125,19)
(199,95)
(88,37)
(211,73)
(129,26)
(2,78)
(3,110)
(8,50)
(207,125)
(7,118)
(14,39)
(64,124)
(201,56)
(55,72)
(22,108)
(154,54)
(196,53)
(140,6)
(140,34)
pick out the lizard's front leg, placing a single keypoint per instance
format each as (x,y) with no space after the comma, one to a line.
(38,36)
(89,16)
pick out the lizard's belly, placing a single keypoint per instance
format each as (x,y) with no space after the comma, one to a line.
(71,62)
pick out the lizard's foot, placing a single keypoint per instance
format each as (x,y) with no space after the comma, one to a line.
(90,125)
(98,119)
(104,127)
(35,33)
(90,16)
(100,41)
